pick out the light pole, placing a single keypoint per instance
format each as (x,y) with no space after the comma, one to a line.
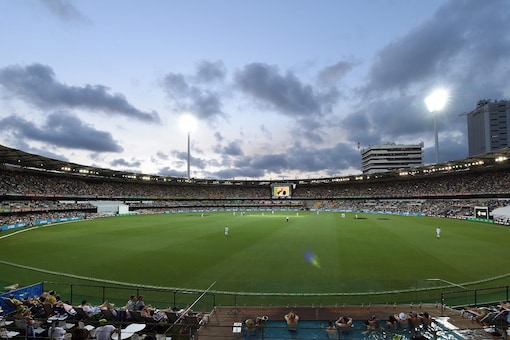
(188,124)
(189,154)
(435,102)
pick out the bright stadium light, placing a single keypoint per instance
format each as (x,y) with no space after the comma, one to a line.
(436,102)
(188,124)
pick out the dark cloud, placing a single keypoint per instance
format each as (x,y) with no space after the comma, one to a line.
(208,71)
(161,155)
(231,149)
(36,84)
(457,39)
(284,93)
(328,159)
(309,129)
(21,144)
(405,117)
(195,162)
(176,85)
(205,104)
(455,48)
(465,46)
(218,136)
(64,10)
(332,74)
(238,173)
(296,159)
(126,164)
(171,172)
(383,120)
(63,130)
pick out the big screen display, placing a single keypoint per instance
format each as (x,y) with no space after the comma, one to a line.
(279,190)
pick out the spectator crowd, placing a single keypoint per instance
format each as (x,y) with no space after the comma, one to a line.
(28,195)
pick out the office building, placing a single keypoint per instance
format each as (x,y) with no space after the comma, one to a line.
(390,157)
(488,126)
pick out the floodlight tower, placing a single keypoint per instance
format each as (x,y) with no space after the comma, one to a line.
(435,102)
(188,125)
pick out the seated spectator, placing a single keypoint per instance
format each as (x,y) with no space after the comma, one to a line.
(259,321)
(123,312)
(391,323)
(140,303)
(80,334)
(59,307)
(25,321)
(249,327)
(292,320)
(93,310)
(476,314)
(203,318)
(50,297)
(35,306)
(104,331)
(69,309)
(344,322)
(150,313)
(57,333)
(17,303)
(182,311)
(505,306)
(130,304)
(372,323)
(402,320)
(502,315)
(414,319)
(426,320)
(331,331)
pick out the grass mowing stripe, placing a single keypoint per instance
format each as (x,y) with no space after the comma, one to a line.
(309,254)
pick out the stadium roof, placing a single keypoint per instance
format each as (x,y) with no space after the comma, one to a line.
(27,160)
(18,158)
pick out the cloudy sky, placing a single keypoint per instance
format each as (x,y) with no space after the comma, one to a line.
(280,89)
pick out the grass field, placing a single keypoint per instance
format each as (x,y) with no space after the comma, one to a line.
(311,253)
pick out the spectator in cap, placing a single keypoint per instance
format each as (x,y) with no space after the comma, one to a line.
(402,319)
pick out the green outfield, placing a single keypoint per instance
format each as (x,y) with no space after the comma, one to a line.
(312,253)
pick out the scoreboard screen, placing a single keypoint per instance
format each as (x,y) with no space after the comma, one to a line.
(482,212)
(279,190)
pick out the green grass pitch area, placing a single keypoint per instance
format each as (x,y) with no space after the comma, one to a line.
(312,253)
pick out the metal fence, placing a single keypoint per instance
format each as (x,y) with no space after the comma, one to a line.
(205,300)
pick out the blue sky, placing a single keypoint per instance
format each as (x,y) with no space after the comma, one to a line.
(280,89)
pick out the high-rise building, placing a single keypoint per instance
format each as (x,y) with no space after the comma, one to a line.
(488,126)
(390,157)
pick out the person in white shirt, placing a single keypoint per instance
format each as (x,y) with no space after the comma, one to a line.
(104,331)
